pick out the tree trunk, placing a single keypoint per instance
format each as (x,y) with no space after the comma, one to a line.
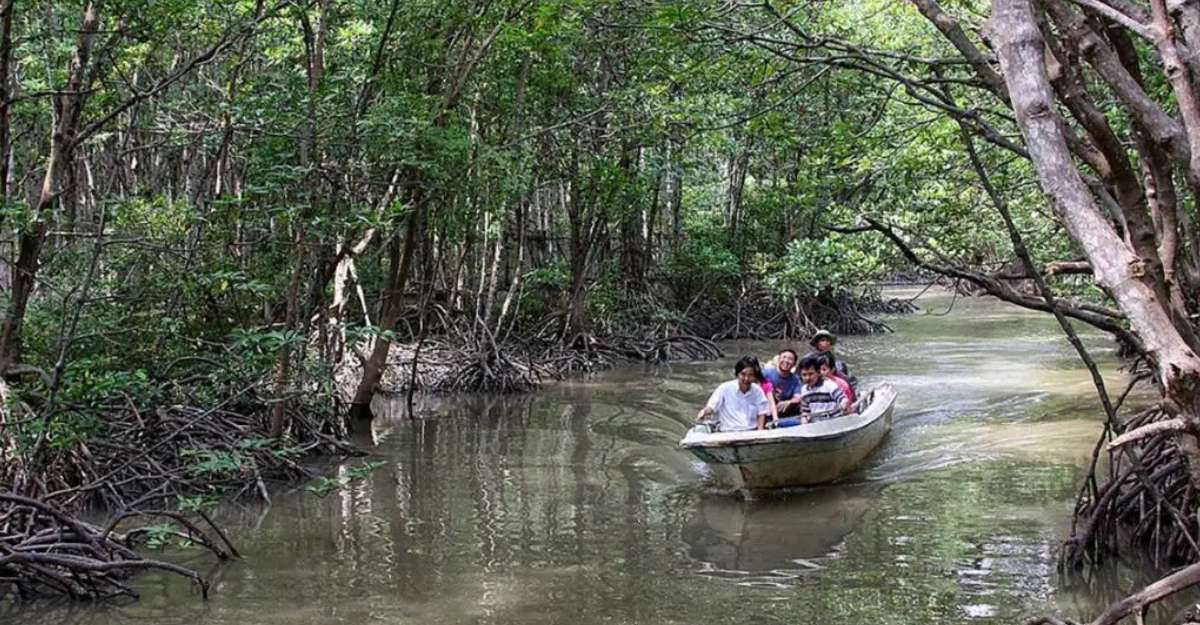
(68,106)
(393,307)
(736,173)
(1021,51)
(633,246)
(283,369)
(311,160)
(6,19)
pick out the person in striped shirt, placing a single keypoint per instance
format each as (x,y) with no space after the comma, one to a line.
(820,398)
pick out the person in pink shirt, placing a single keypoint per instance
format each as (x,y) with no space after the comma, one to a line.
(768,390)
(829,372)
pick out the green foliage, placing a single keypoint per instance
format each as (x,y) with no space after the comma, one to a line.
(192,503)
(207,462)
(96,379)
(545,290)
(820,267)
(161,535)
(704,265)
(63,430)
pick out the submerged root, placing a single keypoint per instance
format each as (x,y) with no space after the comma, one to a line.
(141,455)
(46,552)
(138,462)
(1144,504)
(1147,502)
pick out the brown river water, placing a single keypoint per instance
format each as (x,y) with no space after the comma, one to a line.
(576,506)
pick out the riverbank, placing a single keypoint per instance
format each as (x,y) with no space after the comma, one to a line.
(523,360)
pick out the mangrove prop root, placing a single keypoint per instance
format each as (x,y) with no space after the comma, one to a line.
(1148,474)
(165,453)
(142,464)
(447,365)
(462,357)
(44,551)
(1147,505)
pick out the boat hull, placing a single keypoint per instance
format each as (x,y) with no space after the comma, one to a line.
(798,456)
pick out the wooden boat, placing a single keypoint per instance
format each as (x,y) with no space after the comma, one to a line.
(813,453)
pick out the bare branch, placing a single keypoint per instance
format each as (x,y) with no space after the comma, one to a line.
(1146,431)
(1112,13)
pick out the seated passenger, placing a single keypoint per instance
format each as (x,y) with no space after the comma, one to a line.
(829,372)
(739,403)
(784,382)
(768,389)
(820,399)
(823,342)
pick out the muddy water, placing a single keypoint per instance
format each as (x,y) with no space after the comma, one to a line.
(575,506)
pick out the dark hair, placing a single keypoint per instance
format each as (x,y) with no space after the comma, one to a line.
(826,358)
(810,362)
(788,350)
(748,361)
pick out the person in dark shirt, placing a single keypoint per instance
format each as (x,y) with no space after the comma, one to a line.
(784,382)
(820,399)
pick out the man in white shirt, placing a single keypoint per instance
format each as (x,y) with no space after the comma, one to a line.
(739,404)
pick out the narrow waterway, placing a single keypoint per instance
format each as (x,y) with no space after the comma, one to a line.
(575,506)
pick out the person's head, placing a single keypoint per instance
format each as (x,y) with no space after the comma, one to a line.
(828,364)
(747,371)
(823,340)
(810,370)
(786,361)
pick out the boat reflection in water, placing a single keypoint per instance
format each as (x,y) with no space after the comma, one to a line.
(776,540)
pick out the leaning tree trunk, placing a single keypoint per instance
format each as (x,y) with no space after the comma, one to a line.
(393,307)
(1116,266)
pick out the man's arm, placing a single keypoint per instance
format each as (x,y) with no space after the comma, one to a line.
(842,401)
(805,409)
(710,407)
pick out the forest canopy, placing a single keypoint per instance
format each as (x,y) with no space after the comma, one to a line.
(250,203)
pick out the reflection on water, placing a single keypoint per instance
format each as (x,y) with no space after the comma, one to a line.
(576,505)
(773,541)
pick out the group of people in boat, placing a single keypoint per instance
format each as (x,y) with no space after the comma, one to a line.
(790,392)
